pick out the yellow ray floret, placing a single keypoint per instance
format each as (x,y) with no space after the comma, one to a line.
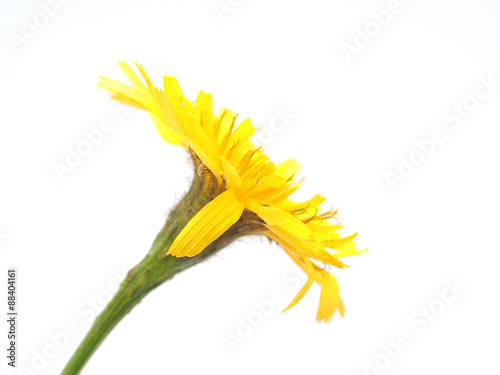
(207,225)
(248,181)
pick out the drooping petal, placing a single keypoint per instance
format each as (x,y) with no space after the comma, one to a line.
(311,248)
(342,246)
(329,300)
(275,216)
(207,225)
(293,231)
(347,250)
(302,292)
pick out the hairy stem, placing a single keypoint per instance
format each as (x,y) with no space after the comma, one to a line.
(157,267)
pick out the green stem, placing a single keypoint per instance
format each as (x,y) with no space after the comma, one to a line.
(147,275)
(119,306)
(157,267)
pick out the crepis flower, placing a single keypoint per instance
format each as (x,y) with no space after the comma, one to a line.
(250,188)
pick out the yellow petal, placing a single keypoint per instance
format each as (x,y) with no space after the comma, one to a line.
(163,105)
(275,216)
(293,231)
(139,96)
(334,239)
(204,108)
(136,96)
(299,208)
(288,168)
(329,300)
(348,249)
(312,248)
(207,225)
(223,126)
(130,74)
(323,226)
(307,285)
(165,131)
(180,115)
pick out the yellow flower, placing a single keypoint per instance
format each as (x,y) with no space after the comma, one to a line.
(250,185)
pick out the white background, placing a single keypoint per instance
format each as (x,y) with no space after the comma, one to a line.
(352,121)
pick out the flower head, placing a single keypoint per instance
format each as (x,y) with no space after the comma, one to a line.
(250,185)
